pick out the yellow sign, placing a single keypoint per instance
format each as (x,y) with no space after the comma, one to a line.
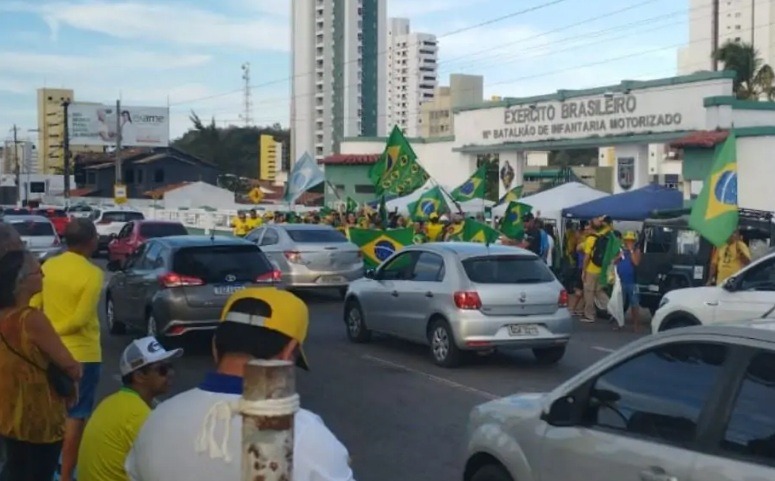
(256,195)
(119,194)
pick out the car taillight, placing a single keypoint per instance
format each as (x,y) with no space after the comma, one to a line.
(171,279)
(563,301)
(293,256)
(467,300)
(270,277)
(56,241)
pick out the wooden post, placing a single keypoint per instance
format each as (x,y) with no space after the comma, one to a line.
(267,441)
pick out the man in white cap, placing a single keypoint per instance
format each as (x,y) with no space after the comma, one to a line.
(111,431)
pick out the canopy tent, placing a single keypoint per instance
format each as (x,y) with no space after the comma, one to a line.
(551,202)
(635,205)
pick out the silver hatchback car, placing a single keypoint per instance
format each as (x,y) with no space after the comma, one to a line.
(310,255)
(461,296)
(37,233)
(691,404)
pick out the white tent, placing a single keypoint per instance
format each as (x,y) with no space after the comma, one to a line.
(550,203)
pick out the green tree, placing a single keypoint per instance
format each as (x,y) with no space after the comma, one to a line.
(753,78)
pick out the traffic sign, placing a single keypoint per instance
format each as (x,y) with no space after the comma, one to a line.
(256,195)
(119,194)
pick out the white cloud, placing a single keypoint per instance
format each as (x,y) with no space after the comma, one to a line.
(82,65)
(176,23)
(419,8)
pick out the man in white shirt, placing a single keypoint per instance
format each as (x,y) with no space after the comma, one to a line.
(198,434)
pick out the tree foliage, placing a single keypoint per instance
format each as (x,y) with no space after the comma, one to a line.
(234,149)
(753,79)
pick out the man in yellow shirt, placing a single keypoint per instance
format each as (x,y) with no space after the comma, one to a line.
(240,225)
(729,259)
(70,298)
(112,429)
(434,228)
(594,249)
(254,221)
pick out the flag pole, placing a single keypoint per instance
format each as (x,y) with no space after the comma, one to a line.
(449,196)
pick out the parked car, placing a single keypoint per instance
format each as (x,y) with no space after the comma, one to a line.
(460,296)
(310,255)
(171,286)
(83,211)
(11,210)
(110,221)
(748,294)
(693,404)
(57,216)
(136,232)
(37,233)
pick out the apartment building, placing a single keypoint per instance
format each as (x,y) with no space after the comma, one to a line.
(436,117)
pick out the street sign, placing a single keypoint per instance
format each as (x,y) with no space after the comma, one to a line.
(256,195)
(119,194)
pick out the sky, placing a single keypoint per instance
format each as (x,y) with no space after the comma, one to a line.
(189,53)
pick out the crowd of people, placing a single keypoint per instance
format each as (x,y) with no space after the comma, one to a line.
(51,363)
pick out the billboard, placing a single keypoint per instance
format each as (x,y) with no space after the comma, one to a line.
(95,124)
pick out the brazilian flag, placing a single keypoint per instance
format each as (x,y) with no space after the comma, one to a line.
(397,171)
(715,213)
(474,231)
(378,245)
(473,188)
(351,205)
(511,196)
(512,226)
(432,201)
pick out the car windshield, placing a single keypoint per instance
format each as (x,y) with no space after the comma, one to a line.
(158,229)
(313,236)
(214,264)
(33,228)
(507,270)
(122,216)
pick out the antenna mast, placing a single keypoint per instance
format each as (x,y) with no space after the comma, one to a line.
(248,102)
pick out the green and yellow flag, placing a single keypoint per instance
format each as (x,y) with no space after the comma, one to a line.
(474,231)
(432,201)
(612,250)
(511,196)
(512,226)
(397,170)
(378,245)
(715,213)
(473,188)
(351,205)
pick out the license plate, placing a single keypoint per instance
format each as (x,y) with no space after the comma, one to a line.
(332,280)
(523,330)
(227,290)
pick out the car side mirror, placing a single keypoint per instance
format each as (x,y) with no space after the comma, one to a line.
(563,412)
(369,273)
(730,284)
(114,266)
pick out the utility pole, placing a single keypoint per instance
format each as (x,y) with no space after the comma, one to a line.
(247,117)
(119,168)
(714,35)
(753,22)
(17,166)
(66,151)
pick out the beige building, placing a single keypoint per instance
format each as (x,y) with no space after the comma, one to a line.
(464,90)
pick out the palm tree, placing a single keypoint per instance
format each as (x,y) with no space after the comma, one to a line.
(754,79)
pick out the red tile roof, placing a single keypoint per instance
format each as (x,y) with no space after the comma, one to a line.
(703,138)
(350,159)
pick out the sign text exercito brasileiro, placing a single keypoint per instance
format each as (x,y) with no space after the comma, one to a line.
(599,116)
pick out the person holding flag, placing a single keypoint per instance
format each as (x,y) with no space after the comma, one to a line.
(728,259)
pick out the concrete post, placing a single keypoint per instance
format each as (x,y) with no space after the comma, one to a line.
(267,441)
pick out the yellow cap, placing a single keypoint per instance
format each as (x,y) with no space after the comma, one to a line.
(630,236)
(270,308)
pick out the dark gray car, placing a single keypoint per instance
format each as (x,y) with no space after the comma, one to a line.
(174,285)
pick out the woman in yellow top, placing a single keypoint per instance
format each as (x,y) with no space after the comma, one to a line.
(32,415)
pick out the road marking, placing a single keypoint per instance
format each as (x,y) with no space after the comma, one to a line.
(603,349)
(440,380)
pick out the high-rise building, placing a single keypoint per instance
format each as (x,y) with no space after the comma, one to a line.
(735,23)
(437,118)
(270,154)
(338,69)
(411,75)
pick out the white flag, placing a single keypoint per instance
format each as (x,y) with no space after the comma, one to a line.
(616,303)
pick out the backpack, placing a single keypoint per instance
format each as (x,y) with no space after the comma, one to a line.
(598,250)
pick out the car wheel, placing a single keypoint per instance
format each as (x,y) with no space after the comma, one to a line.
(491,472)
(356,326)
(443,348)
(677,323)
(549,355)
(114,326)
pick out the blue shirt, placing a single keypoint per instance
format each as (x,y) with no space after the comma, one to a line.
(626,268)
(221,383)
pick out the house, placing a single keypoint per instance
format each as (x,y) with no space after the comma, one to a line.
(144,170)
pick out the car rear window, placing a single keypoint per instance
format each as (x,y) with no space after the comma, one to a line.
(51,213)
(122,216)
(14,211)
(33,229)
(151,230)
(313,236)
(507,270)
(213,264)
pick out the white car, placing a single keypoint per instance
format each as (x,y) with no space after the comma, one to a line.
(37,233)
(749,294)
(110,221)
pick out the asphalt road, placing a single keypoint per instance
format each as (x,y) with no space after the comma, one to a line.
(400,416)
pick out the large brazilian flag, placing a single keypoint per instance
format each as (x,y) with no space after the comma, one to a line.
(378,245)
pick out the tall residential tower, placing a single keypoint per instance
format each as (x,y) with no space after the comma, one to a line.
(411,75)
(338,68)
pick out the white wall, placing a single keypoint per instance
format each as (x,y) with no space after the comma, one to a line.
(755,171)
(197,195)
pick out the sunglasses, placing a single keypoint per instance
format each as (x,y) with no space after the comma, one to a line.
(162,369)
